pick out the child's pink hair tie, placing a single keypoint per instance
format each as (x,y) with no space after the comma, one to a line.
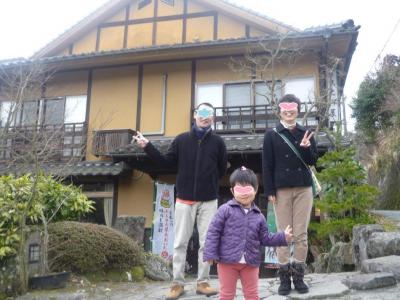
(243,168)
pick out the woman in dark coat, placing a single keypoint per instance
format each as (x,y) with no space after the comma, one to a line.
(288,185)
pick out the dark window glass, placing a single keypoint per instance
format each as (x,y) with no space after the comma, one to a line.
(34,253)
(54,112)
(30,113)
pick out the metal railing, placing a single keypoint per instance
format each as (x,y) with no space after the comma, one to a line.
(107,141)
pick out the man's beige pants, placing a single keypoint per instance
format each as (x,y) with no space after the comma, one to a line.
(293,207)
(185,217)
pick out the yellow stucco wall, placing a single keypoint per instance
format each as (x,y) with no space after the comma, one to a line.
(113,101)
(178,97)
(150,120)
(119,16)
(86,44)
(114,98)
(169,32)
(254,32)
(135,196)
(145,12)
(218,70)
(140,35)
(194,7)
(111,38)
(67,84)
(167,10)
(200,29)
(230,28)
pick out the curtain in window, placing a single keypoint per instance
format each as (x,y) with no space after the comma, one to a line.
(75,109)
(108,211)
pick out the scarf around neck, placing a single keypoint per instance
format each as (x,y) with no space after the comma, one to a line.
(288,126)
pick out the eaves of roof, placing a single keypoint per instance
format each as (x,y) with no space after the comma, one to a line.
(323,33)
(84,168)
(235,144)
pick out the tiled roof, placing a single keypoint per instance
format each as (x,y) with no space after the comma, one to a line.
(244,143)
(347,24)
(85,168)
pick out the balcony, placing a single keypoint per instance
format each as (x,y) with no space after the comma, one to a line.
(254,119)
(107,141)
(46,143)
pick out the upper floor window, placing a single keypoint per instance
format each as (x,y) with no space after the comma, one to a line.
(63,110)
(303,88)
(250,94)
(143,3)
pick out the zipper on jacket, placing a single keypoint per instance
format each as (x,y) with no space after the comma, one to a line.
(245,234)
(195,169)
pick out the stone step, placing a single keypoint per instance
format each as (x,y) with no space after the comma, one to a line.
(390,264)
(370,281)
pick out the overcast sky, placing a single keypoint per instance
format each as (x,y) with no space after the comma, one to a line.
(27,25)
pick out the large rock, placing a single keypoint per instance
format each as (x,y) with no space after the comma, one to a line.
(321,263)
(157,268)
(340,258)
(361,234)
(390,264)
(132,226)
(370,281)
(383,244)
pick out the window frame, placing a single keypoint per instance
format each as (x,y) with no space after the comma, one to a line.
(253,93)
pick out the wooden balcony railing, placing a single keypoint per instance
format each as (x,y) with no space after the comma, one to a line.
(251,119)
(47,143)
(106,141)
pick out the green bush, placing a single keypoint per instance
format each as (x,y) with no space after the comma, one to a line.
(85,247)
(24,198)
(347,197)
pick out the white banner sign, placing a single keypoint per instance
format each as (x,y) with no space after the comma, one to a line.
(163,222)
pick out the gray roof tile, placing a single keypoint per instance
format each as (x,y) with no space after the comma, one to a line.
(85,168)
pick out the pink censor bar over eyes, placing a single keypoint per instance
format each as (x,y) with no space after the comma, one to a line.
(243,189)
(288,106)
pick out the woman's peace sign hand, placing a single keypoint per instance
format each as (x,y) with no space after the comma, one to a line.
(305,142)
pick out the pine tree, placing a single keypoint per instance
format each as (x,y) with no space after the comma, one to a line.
(346,198)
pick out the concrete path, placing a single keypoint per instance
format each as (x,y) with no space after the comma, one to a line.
(393,215)
(322,286)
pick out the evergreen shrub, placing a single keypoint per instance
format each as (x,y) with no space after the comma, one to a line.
(85,247)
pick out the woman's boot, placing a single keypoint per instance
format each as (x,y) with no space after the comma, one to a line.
(284,277)
(298,270)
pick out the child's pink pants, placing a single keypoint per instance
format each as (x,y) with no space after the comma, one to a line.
(228,274)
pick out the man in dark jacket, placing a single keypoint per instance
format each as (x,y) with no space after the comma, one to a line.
(201,159)
(287,184)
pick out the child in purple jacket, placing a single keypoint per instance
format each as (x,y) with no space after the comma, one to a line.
(235,235)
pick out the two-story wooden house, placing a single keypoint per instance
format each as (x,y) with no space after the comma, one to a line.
(145,64)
